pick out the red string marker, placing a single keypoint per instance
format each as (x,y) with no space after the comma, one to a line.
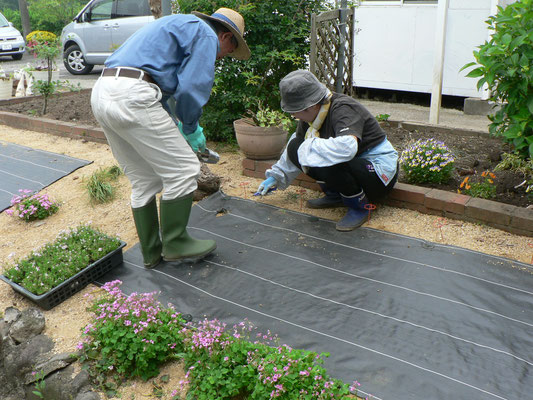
(370,207)
(439,223)
(244,185)
(302,192)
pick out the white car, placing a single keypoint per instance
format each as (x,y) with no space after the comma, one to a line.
(99,29)
(12,43)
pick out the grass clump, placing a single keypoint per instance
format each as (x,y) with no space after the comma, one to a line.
(100,184)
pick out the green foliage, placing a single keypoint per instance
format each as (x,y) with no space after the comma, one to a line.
(99,186)
(13,15)
(277,33)
(130,336)
(30,206)
(505,65)
(53,15)
(382,117)
(427,161)
(133,335)
(266,117)
(482,187)
(56,262)
(40,384)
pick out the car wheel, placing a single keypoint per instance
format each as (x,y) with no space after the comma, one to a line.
(17,56)
(74,61)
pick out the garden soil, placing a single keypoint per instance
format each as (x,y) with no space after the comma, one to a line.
(64,322)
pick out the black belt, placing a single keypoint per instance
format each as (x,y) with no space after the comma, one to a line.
(128,73)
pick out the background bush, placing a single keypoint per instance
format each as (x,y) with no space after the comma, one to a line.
(506,65)
(45,15)
(277,33)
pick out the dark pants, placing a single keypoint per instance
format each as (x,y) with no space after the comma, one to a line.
(347,178)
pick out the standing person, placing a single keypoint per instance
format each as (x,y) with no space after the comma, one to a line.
(338,143)
(172,57)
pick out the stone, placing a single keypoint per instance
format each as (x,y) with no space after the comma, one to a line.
(57,386)
(57,362)
(30,323)
(11,314)
(21,359)
(208,183)
(88,396)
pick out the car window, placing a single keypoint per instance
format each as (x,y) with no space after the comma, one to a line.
(101,10)
(132,8)
(3,21)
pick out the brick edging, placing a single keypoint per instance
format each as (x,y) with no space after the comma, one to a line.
(516,220)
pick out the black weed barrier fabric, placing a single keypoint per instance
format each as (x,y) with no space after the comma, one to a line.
(407,318)
(26,168)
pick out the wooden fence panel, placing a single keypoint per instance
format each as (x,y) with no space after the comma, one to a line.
(326,34)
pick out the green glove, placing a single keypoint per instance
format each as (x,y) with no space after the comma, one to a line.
(195,139)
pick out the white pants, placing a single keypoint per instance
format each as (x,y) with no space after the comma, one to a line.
(144,139)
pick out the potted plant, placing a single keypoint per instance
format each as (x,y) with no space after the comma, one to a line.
(61,268)
(6,84)
(263,134)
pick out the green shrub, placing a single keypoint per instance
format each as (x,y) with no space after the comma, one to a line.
(277,33)
(427,161)
(506,66)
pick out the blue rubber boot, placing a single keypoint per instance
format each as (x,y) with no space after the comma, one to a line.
(356,214)
(330,200)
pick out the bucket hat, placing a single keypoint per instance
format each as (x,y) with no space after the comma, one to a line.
(299,90)
(235,23)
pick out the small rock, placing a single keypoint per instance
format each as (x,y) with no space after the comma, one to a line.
(29,324)
(11,314)
(464,172)
(88,396)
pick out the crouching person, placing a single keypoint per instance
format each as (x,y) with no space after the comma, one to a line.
(339,144)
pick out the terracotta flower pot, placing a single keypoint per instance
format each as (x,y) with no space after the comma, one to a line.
(259,143)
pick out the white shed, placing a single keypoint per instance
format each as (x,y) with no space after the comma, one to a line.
(399,44)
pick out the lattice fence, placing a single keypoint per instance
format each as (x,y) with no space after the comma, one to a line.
(329,40)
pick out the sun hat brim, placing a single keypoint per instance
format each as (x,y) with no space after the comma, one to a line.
(300,90)
(242,52)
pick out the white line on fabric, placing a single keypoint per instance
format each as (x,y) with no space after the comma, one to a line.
(39,165)
(379,254)
(7,192)
(394,234)
(322,333)
(21,177)
(368,279)
(373,312)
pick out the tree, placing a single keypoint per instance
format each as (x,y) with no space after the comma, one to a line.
(155,8)
(277,32)
(24,17)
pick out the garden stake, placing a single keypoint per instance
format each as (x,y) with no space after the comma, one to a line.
(370,207)
(244,185)
(438,224)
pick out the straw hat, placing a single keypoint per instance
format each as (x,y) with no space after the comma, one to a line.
(235,23)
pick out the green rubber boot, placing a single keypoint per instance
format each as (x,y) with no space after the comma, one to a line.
(147,225)
(177,244)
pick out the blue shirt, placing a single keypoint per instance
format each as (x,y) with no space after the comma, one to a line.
(179,52)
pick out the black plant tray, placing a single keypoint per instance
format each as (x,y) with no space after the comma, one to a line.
(74,284)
